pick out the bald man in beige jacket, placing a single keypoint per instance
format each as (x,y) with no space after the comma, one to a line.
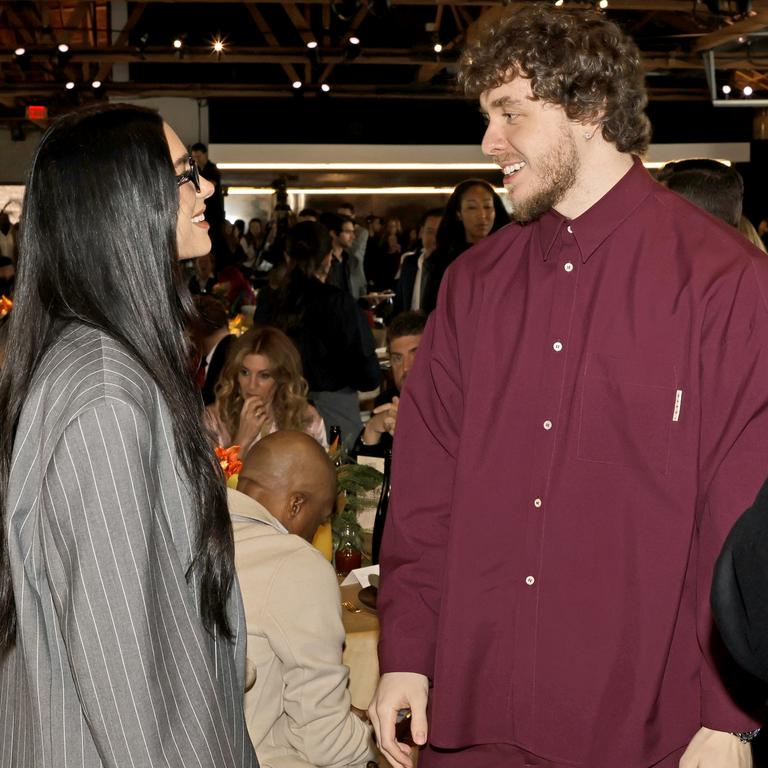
(297,706)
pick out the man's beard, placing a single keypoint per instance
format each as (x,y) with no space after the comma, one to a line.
(557,171)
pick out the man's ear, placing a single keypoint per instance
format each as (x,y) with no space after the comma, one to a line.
(296,504)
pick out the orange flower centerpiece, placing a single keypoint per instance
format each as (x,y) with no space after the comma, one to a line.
(229,459)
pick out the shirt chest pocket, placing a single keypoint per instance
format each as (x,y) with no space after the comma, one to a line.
(627,411)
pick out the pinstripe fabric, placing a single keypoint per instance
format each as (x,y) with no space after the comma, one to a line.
(112,666)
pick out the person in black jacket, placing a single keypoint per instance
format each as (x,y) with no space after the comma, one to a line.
(410,284)
(336,345)
(739,594)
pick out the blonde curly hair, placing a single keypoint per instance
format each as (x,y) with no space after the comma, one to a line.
(289,401)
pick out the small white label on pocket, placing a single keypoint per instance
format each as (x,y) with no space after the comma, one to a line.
(678,403)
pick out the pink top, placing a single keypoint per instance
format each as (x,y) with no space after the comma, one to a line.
(219,432)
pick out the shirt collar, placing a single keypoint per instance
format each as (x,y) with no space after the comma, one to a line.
(597,223)
(240,505)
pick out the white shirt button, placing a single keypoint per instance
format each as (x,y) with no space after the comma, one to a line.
(537,503)
(547,424)
(557,346)
(570,231)
(530,581)
(568,267)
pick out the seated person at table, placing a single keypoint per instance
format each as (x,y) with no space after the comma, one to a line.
(212,340)
(297,706)
(260,391)
(403,338)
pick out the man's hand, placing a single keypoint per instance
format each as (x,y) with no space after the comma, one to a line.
(716,749)
(396,691)
(383,420)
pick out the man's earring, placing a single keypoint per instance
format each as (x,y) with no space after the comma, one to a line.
(587,136)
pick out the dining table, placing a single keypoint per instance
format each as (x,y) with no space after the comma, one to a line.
(361,626)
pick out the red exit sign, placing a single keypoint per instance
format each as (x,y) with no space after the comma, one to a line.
(37,112)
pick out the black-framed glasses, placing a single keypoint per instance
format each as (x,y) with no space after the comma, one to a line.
(191,174)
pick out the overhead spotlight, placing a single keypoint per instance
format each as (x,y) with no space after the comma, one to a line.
(603,4)
(142,44)
(747,91)
(297,84)
(353,48)
(325,88)
(69,85)
(63,54)
(96,84)
(742,39)
(559,3)
(22,57)
(177,43)
(727,90)
(437,47)
(218,46)
(312,44)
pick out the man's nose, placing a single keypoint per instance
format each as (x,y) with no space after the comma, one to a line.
(491,143)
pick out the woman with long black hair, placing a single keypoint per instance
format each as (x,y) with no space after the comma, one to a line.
(121,639)
(473,212)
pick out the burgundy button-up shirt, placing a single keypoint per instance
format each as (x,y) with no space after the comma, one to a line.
(586,418)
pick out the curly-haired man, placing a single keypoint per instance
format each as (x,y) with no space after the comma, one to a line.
(590,400)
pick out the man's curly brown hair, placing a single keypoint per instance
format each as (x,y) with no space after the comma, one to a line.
(577,60)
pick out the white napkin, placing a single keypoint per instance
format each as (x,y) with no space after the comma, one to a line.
(361,576)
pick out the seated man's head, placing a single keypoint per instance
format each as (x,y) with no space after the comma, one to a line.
(291,475)
(403,338)
(713,186)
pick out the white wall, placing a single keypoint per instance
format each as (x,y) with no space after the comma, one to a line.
(188,117)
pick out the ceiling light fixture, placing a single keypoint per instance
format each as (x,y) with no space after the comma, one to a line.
(727,90)
(312,44)
(437,47)
(354,40)
(603,4)
(177,43)
(747,91)
(20,51)
(69,85)
(96,84)
(218,47)
(297,84)
(62,48)
(325,88)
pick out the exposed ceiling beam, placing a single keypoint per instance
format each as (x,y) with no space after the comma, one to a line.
(271,40)
(270,90)
(106,67)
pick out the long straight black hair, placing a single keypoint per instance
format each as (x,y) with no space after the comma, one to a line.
(98,245)
(451,237)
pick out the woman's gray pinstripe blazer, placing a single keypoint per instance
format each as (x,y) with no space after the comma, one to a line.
(112,666)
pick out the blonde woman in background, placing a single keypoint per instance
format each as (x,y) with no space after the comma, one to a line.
(262,390)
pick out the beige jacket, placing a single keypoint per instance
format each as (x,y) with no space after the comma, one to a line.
(297,707)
